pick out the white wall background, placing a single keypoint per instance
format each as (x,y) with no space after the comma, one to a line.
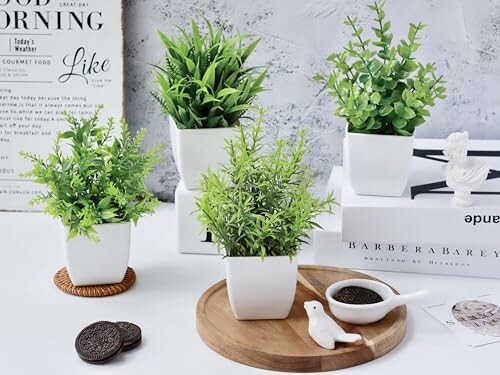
(463,37)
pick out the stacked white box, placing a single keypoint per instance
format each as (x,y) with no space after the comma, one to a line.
(190,236)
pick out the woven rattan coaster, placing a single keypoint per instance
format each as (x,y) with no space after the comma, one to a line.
(63,282)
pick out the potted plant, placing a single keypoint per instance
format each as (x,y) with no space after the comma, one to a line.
(259,208)
(205,88)
(95,186)
(384,94)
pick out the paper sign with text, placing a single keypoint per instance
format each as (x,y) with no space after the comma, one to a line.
(55,56)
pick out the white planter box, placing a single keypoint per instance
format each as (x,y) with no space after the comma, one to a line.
(173,139)
(197,150)
(378,164)
(99,263)
(261,289)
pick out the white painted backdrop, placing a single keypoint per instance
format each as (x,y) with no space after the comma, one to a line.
(463,37)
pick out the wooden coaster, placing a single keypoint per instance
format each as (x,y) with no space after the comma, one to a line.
(63,282)
(285,345)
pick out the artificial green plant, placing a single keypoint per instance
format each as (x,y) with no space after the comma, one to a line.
(94,177)
(260,203)
(204,81)
(381,88)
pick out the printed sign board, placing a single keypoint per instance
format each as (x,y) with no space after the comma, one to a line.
(55,56)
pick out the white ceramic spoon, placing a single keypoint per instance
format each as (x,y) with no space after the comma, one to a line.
(369,313)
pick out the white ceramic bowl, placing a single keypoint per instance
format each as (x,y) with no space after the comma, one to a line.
(369,313)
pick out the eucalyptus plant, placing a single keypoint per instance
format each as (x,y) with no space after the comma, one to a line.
(94,177)
(381,88)
(204,82)
(260,203)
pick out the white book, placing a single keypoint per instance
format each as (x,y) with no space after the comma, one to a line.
(424,213)
(330,247)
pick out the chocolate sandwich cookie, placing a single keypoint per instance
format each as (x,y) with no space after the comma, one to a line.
(99,342)
(132,335)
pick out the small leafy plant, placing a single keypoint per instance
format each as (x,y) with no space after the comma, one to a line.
(99,180)
(383,90)
(260,204)
(204,82)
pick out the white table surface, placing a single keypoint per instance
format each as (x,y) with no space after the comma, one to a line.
(40,323)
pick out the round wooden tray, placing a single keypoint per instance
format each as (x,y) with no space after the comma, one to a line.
(63,282)
(285,345)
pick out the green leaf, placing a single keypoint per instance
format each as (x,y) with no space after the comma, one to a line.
(410,66)
(197,40)
(404,132)
(227,91)
(363,78)
(248,50)
(318,77)
(417,121)
(66,134)
(404,51)
(209,76)
(399,108)
(378,32)
(107,214)
(375,66)
(408,113)
(370,123)
(210,99)
(399,123)
(375,97)
(385,110)
(104,202)
(239,108)
(423,112)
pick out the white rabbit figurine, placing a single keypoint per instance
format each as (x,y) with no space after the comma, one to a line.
(323,329)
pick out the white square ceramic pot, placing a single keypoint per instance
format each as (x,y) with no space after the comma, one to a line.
(97,263)
(261,289)
(173,139)
(378,164)
(197,150)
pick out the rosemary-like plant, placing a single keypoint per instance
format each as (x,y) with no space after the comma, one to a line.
(99,180)
(260,204)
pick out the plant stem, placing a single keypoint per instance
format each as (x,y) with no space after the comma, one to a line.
(386,52)
(338,93)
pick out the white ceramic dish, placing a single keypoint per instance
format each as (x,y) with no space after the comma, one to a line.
(369,313)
